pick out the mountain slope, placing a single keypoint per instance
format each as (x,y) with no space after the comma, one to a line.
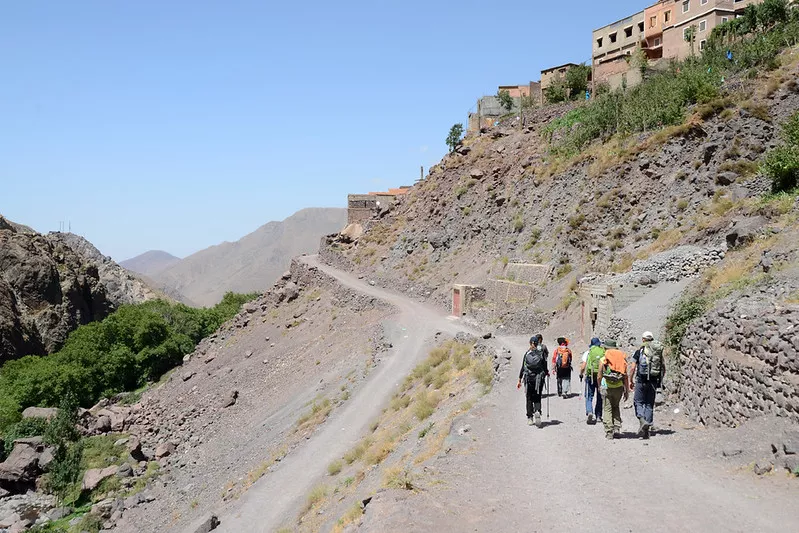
(51,284)
(150,262)
(255,261)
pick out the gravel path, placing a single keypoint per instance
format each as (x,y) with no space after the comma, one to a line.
(512,477)
(276,499)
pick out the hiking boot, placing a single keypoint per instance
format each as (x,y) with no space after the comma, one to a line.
(591,419)
(529,421)
(538,420)
(610,436)
(645,431)
(641,425)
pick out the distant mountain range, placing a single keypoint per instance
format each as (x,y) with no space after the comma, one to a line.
(150,263)
(252,263)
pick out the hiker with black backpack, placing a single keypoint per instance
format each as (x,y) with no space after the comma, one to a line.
(534,373)
(562,366)
(648,370)
(589,369)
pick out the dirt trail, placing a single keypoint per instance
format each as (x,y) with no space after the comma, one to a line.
(275,500)
(568,477)
(511,477)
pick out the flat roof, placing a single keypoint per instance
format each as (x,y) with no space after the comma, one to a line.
(619,22)
(560,66)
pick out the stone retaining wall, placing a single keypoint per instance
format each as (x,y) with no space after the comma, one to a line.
(741,361)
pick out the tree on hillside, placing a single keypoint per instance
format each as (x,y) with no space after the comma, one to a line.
(690,37)
(577,80)
(454,137)
(557,91)
(505,100)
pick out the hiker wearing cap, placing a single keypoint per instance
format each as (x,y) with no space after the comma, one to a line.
(562,366)
(614,387)
(533,373)
(589,369)
(648,370)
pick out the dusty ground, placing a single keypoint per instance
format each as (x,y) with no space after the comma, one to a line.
(568,477)
(506,476)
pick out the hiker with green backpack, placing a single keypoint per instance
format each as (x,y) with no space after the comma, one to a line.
(589,370)
(647,372)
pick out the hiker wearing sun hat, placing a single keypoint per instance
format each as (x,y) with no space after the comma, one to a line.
(647,372)
(614,387)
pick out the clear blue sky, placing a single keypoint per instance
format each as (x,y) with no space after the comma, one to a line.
(177,125)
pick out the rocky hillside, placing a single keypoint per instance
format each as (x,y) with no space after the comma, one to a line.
(50,284)
(503,197)
(252,263)
(150,263)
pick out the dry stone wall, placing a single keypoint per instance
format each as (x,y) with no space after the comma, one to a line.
(741,360)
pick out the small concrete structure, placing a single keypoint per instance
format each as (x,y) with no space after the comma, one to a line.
(362,207)
(463,296)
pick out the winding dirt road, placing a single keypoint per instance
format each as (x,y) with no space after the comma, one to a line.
(275,500)
(565,477)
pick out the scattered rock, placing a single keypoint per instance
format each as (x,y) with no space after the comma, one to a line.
(59,512)
(94,476)
(231,398)
(124,470)
(731,452)
(165,449)
(134,448)
(463,430)
(186,376)
(205,524)
(763,468)
(40,412)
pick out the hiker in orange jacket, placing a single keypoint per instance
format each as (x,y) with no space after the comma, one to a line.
(562,367)
(614,387)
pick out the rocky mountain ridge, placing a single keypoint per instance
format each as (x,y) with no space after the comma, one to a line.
(50,284)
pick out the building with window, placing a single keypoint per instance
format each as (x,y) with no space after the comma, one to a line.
(702,16)
(613,47)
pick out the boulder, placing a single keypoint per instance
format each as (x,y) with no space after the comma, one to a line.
(205,525)
(744,231)
(790,443)
(19,471)
(230,399)
(726,178)
(125,470)
(59,512)
(165,449)
(476,173)
(40,412)
(134,448)
(102,424)
(351,233)
(94,476)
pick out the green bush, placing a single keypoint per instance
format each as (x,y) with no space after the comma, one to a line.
(134,345)
(782,166)
(685,311)
(28,427)
(662,99)
(782,163)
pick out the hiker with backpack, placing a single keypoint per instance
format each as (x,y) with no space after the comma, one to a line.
(648,370)
(534,372)
(614,386)
(562,366)
(589,369)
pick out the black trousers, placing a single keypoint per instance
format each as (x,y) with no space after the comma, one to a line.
(534,385)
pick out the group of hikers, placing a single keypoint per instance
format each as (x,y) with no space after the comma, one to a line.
(609,376)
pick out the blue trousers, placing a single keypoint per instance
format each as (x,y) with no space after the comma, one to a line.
(644,400)
(590,392)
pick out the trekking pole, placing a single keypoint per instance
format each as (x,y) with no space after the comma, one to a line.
(547,397)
